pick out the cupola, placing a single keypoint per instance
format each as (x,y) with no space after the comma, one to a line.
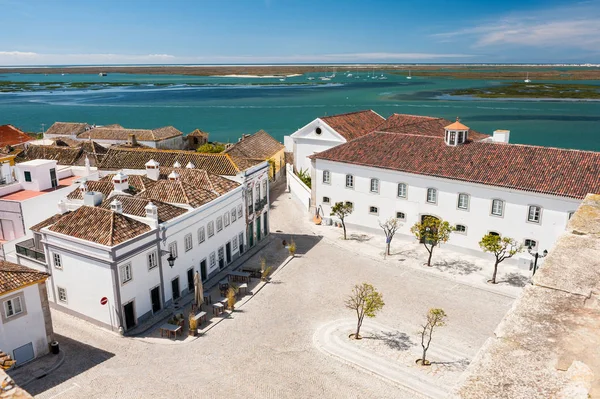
(173,176)
(456,133)
(190,165)
(177,164)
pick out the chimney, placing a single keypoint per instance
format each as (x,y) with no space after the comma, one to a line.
(173,176)
(116,206)
(92,198)
(120,182)
(62,207)
(501,136)
(83,187)
(87,166)
(152,169)
(151,211)
(132,140)
(177,164)
(190,165)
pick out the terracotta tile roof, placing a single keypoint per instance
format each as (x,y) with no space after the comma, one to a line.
(245,163)
(423,125)
(67,128)
(457,126)
(13,276)
(260,145)
(197,133)
(354,124)
(120,133)
(65,155)
(10,135)
(202,179)
(120,158)
(138,182)
(47,222)
(104,187)
(178,192)
(555,171)
(99,225)
(136,206)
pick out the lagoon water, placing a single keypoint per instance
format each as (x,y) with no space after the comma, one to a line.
(229,106)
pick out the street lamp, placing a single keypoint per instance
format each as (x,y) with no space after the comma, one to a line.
(536,255)
(171,260)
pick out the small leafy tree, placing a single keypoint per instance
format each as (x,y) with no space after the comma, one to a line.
(435,318)
(292,247)
(365,301)
(431,232)
(502,248)
(304,176)
(211,148)
(389,229)
(265,270)
(341,210)
(231,299)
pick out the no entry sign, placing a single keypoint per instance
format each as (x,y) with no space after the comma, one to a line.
(104,300)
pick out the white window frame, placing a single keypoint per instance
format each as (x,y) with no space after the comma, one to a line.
(257,195)
(62,297)
(468,201)
(403,217)
(188,242)
(434,191)
(201,235)
(326,177)
(173,249)
(234,244)
(210,229)
(212,260)
(326,200)
(350,178)
(219,223)
(405,188)
(233,215)
(530,239)
(537,219)
(374,182)
(123,271)
(57,261)
(501,202)
(226,219)
(11,302)
(240,211)
(371,212)
(264,188)
(458,231)
(152,260)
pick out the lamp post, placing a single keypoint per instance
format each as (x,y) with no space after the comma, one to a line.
(536,255)
(170,259)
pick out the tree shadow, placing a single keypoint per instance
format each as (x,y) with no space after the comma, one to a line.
(460,267)
(460,364)
(407,253)
(515,280)
(394,340)
(359,237)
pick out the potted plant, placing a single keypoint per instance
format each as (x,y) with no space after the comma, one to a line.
(292,248)
(231,298)
(193,330)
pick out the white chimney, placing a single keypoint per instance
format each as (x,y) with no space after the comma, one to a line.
(62,207)
(120,182)
(190,165)
(92,198)
(501,136)
(88,170)
(152,169)
(116,206)
(151,211)
(177,164)
(83,187)
(173,176)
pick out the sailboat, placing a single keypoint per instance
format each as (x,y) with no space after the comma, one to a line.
(527,80)
(374,76)
(409,77)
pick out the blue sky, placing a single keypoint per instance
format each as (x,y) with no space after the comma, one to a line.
(297,31)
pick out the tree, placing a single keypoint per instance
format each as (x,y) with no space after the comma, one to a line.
(389,229)
(365,301)
(502,248)
(304,176)
(211,148)
(432,231)
(435,318)
(341,210)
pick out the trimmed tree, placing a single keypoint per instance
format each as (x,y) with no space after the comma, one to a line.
(435,318)
(389,229)
(341,210)
(365,301)
(502,248)
(431,232)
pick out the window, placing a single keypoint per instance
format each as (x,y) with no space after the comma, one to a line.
(350,204)
(463,201)
(62,294)
(234,244)
(240,212)
(349,181)
(318,130)
(326,177)
(534,214)
(226,219)
(187,240)
(173,249)
(27,176)
(219,223)
(400,215)
(201,235)
(401,190)
(125,273)
(497,207)
(264,184)
(373,210)
(213,260)
(374,185)
(211,229)
(432,195)
(326,200)
(233,215)
(530,243)
(13,307)
(152,263)
(57,261)
(257,196)
(460,228)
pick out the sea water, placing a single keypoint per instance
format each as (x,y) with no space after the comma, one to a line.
(227,107)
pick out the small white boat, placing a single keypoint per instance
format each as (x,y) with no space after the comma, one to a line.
(349,75)
(382,77)
(102,74)
(409,77)
(282,80)
(527,80)
(325,78)
(310,78)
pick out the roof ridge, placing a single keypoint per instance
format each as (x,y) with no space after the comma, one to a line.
(350,113)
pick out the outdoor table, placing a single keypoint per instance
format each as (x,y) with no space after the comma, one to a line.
(253,272)
(207,298)
(170,328)
(243,287)
(218,308)
(200,317)
(223,301)
(240,276)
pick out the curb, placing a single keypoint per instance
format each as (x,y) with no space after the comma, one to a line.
(57,364)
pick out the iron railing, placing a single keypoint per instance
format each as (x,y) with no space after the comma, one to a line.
(27,248)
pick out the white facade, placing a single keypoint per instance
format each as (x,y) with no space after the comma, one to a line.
(37,175)
(315,137)
(23,334)
(477,218)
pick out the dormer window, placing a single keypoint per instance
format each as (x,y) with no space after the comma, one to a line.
(456,133)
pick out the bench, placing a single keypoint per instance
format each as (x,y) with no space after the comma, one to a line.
(218,308)
(243,287)
(200,317)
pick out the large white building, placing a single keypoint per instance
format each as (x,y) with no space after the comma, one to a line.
(420,166)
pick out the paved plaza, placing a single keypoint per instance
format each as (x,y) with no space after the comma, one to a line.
(272,345)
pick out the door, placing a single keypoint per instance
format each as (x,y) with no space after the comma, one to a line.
(129,311)
(221,258)
(155,298)
(175,288)
(266,223)
(228,252)
(190,278)
(250,234)
(258,231)
(203,270)
(241,243)
(53,178)
(23,354)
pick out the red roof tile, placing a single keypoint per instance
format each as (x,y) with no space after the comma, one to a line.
(10,135)
(13,276)
(423,125)
(555,171)
(354,124)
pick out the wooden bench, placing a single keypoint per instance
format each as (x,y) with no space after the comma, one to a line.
(170,328)
(218,308)
(201,318)
(243,288)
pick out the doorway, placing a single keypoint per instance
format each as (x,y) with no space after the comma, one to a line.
(190,278)
(155,298)
(258,231)
(241,243)
(250,234)
(53,179)
(129,311)
(175,288)
(203,270)
(228,252)
(266,223)
(221,258)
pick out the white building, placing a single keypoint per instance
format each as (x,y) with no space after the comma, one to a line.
(25,321)
(479,185)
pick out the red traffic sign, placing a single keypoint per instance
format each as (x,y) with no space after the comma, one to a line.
(104,300)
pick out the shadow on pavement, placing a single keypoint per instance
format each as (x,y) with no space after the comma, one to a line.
(394,340)
(515,279)
(457,267)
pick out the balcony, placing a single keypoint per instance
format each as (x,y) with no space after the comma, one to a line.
(27,248)
(250,209)
(260,204)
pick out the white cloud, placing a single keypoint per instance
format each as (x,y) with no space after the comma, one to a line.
(17,54)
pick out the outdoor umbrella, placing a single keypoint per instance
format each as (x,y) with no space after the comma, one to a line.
(199,290)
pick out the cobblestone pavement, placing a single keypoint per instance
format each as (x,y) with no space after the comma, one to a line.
(266,349)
